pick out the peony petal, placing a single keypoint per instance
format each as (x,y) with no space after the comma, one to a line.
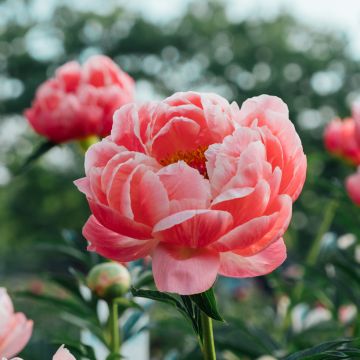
(126,128)
(149,199)
(244,203)
(193,228)
(63,354)
(256,234)
(19,334)
(100,153)
(262,263)
(184,271)
(294,176)
(83,186)
(119,223)
(179,134)
(182,182)
(113,245)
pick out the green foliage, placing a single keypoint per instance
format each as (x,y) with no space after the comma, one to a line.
(189,306)
(338,349)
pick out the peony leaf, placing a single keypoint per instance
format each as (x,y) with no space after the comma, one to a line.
(206,301)
(326,351)
(159,296)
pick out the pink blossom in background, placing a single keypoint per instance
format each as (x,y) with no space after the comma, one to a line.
(352,184)
(202,186)
(340,139)
(356,115)
(79,101)
(15,328)
(63,354)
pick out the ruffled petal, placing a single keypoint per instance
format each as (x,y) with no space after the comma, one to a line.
(113,245)
(149,199)
(118,222)
(126,128)
(258,233)
(184,271)
(262,263)
(183,183)
(244,204)
(193,228)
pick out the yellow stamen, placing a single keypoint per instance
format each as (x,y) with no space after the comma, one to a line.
(194,158)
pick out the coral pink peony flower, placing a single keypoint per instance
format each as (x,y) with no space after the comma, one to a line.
(340,139)
(15,329)
(352,184)
(80,101)
(203,187)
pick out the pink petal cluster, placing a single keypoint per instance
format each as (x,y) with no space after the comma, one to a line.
(340,139)
(15,328)
(202,186)
(80,100)
(352,184)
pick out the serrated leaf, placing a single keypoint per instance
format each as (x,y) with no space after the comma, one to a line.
(206,301)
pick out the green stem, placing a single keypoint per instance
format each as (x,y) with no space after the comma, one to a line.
(208,345)
(114,328)
(324,227)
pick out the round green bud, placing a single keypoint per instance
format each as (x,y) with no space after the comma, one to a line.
(109,280)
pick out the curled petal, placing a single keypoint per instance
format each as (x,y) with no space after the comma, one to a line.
(113,245)
(193,228)
(118,222)
(185,183)
(244,203)
(262,263)
(253,236)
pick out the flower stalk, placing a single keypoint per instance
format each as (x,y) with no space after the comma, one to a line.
(114,327)
(208,345)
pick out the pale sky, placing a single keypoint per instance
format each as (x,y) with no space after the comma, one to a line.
(337,15)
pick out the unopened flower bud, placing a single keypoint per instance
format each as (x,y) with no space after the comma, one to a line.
(109,280)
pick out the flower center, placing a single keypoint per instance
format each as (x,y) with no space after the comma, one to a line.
(194,158)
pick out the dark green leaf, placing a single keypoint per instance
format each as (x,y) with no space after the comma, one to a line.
(206,301)
(159,296)
(319,350)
